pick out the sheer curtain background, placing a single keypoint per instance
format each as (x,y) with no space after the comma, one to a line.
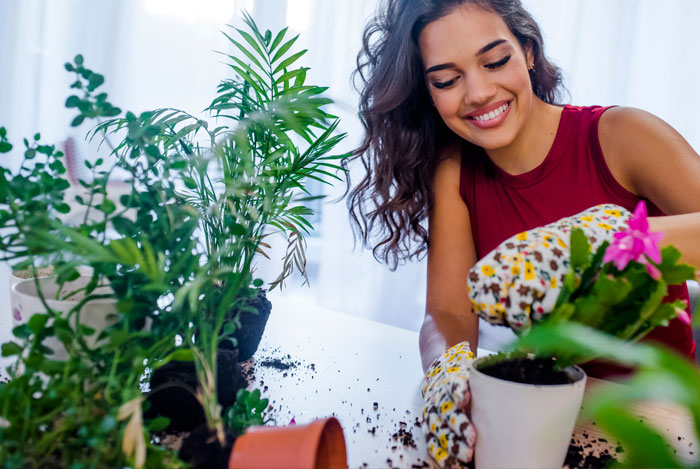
(157,53)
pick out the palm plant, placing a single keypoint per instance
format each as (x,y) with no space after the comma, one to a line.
(178,250)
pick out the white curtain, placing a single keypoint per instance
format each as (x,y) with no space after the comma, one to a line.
(154,53)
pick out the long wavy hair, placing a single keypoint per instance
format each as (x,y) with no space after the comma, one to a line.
(404,134)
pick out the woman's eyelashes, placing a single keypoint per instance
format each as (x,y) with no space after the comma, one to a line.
(444,84)
(492,66)
(498,64)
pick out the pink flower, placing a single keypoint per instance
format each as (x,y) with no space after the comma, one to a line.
(637,244)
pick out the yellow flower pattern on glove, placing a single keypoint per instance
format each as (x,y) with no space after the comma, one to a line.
(520,280)
(448,431)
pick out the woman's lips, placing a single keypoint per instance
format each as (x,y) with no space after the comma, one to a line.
(493,122)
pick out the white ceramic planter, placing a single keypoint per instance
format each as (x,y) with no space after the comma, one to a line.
(17,276)
(523,425)
(96,314)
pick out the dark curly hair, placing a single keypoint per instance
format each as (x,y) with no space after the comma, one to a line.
(404,134)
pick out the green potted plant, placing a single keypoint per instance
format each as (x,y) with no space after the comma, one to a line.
(529,399)
(661,375)
(177,251)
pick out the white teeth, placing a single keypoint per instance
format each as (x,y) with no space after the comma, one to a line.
(492,114)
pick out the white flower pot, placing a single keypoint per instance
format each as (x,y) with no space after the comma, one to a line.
(17,276)
(96,314)
(523,425)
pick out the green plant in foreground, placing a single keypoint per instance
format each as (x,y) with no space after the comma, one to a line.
(177,249)
(248,410)
(661,375)
(626,303)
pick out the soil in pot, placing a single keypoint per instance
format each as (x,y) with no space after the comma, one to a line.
(528,371)
(252,326)
(201,448)
(176,402)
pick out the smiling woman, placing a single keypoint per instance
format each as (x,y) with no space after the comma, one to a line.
(464,131)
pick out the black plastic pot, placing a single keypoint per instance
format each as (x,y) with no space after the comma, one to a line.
(252,327)
(172,385)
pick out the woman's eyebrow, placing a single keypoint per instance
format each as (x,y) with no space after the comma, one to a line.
(490,46)
(482,51)
(436,68)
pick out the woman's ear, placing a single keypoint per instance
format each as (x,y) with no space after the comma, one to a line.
(529,56)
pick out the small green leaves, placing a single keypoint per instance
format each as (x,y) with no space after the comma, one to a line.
(72,101)
(22,331)
(580,249)
(37,322)
(248,410)
(5,146)
(10,348)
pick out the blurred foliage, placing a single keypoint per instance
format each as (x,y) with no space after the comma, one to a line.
(177,250)
(661,375)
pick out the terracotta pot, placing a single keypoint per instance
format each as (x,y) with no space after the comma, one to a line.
(532,422)
(317,445)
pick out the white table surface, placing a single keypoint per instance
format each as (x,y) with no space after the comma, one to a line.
(356,363)
(342,365)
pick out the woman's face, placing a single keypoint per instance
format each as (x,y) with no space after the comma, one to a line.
(476,73)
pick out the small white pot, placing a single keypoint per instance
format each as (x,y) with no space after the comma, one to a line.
(523,425)
(96,314)
(17,276)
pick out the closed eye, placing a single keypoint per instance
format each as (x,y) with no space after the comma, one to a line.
(444,84)
(498,64)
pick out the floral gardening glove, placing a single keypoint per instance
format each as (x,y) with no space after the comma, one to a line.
(448,432)
(520,280)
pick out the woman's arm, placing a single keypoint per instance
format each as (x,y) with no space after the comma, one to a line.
(451,253)
(652,160)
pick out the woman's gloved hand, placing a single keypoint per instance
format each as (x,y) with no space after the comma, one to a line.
(520,280)
(448,431)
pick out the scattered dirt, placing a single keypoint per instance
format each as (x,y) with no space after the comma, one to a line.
(582,455)
(404,435)
(278,364)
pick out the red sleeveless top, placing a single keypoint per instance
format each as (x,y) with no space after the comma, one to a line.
(573,177)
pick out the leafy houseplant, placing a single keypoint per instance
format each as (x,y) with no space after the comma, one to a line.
(661,375)
(178,251)
(617,290)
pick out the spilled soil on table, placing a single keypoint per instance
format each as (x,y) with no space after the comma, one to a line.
(582,454)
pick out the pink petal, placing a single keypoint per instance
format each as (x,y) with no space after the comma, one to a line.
(639,218)
(653,271)
(684,316)
(651,246)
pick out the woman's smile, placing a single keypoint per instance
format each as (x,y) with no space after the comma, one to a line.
(477,76)
(489,116)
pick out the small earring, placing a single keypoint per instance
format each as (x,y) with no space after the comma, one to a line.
(531,67)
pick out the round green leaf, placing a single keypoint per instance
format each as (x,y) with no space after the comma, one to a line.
(62,208)
(10,348)
(72,101)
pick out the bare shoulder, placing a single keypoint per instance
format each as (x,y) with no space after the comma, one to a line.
(448,169)
(645,154)
(632,125)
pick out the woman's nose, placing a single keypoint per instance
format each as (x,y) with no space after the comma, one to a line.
(479,89)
